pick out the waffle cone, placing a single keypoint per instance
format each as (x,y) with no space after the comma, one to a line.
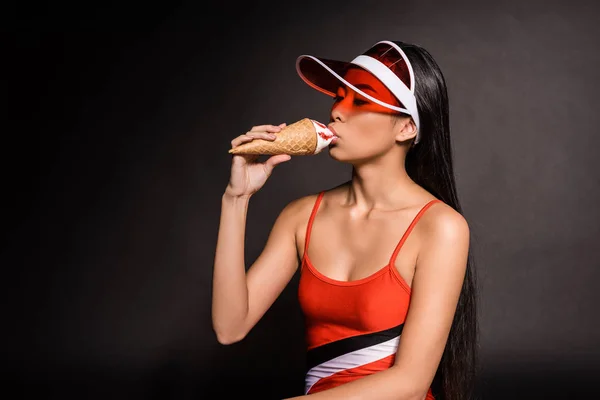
(297,139)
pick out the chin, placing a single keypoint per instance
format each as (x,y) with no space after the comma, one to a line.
(332,150)
(341,156)
(337,155)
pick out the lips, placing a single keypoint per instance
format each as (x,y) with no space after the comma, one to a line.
(335,135)
(333,130)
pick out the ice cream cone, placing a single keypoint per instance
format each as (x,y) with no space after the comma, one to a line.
(304,137)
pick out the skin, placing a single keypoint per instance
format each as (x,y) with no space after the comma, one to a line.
(362,219)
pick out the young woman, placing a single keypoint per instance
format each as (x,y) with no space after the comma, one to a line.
(387,285)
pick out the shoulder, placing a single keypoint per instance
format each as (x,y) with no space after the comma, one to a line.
(301,204)
(302,207)
(443,251)
(443,228)
(443,220)
(297,211)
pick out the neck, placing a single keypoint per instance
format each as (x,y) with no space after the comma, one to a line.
(380,185)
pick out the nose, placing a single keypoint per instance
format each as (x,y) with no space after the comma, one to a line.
(340,109)
(335,114)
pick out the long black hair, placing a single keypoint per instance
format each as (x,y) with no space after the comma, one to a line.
(429,163)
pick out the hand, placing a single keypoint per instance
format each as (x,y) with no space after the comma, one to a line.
(247,175)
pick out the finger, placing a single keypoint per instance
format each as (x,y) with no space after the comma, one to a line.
(282,125)
(275,160)
(240,139)
(265,128)
(248,137)
(262,135)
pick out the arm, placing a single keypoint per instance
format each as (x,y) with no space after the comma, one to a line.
(439,275)
(241,298)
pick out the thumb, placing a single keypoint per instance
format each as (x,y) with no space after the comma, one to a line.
(278,159)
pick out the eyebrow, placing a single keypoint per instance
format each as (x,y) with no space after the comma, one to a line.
(365,86)
(358,86)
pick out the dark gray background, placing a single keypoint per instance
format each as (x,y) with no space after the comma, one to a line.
(115,159)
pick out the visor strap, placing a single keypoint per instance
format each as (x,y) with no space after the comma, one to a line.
(391,81)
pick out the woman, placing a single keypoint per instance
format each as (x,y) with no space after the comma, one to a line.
(407,330)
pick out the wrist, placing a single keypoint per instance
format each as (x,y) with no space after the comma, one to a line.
(235,198)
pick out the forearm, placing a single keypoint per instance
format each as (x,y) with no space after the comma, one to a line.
(230,292)
(391,384)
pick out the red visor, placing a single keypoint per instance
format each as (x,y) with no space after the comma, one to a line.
(385,60)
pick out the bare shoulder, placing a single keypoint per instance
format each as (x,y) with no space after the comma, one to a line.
(296,212)
(300,207)
(303,206)
(442,222)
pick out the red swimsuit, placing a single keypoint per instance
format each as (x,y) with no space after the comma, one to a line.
(352,328)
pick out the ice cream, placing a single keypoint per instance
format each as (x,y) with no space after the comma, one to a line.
(304,137)
(324,135)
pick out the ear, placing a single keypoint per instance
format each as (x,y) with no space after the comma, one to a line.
(406,129)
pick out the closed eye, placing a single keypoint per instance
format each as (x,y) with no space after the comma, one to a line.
(356,101)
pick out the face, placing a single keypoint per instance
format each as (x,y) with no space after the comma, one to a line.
(365,129)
